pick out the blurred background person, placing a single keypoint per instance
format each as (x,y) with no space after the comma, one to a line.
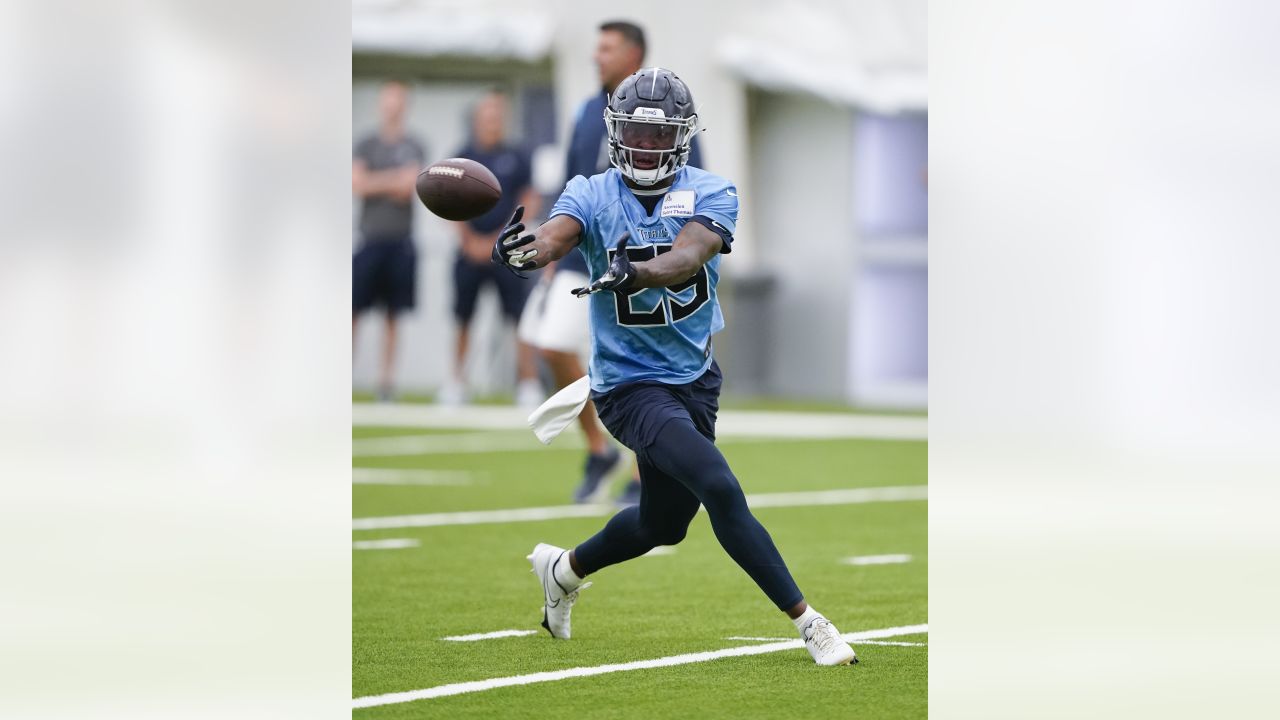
(383,170)
(556,322)
(472,268)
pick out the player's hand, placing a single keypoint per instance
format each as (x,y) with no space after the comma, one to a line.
(507,250)
(620,276)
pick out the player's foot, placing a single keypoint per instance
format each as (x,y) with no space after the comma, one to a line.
(630,495)
(558,599)
(529,394)
(386,394)
(597,469)
(824,643)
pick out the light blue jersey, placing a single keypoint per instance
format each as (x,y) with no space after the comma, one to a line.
(661,334)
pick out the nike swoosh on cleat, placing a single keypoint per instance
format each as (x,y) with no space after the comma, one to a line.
(552,572)
(546,594)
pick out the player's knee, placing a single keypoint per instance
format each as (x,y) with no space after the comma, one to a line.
(721,491)
(669,534)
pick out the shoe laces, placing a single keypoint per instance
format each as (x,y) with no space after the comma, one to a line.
(823,635)
(573,596)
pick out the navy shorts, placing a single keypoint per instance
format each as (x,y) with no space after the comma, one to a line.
(469,277)
(385,274)
(634,413)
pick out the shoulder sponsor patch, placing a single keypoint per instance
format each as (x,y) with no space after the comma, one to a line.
(678,203)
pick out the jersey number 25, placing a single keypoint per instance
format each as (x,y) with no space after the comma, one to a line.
(669,309)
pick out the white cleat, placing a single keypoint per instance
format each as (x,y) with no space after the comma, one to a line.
(558,600)
(824,643)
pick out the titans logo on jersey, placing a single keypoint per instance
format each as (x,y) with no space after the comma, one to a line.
(661,334)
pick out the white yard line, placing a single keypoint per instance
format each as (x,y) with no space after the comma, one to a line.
(876,560)
(490,635)
(481,517)
(475,417)
(859,642)
(472,442)
(816,426)
(660,550)
(744,423)
(387,544)
(896,644)
(553,675)
(852,496)
(396,476)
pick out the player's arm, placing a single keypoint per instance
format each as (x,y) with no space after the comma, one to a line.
(551,241)
(693,248)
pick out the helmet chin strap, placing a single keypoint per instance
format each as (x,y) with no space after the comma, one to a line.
(638,177)
(652,190)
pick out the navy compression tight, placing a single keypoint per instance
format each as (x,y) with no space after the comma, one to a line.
(679,471)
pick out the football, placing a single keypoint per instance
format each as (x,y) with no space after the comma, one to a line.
(458,189)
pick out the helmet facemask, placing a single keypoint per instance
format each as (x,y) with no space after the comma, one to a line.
(647,147)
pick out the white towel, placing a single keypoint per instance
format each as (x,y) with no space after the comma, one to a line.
(560,409)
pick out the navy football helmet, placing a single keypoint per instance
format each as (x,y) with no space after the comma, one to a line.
(651,121)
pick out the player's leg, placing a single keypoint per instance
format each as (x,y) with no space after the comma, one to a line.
(386,383)
(401,270)
(514,292)
(563,333)
(529,393)
(363,268)
(382,261)
(631,493)
(602,458)
(565,368)
(466,288)
(682,451)
(662,518)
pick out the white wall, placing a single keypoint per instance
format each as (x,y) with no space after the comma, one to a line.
(806,237)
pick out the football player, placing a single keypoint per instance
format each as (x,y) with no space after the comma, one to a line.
(652,231)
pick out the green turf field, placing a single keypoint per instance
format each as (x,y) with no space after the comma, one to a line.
(466,579)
